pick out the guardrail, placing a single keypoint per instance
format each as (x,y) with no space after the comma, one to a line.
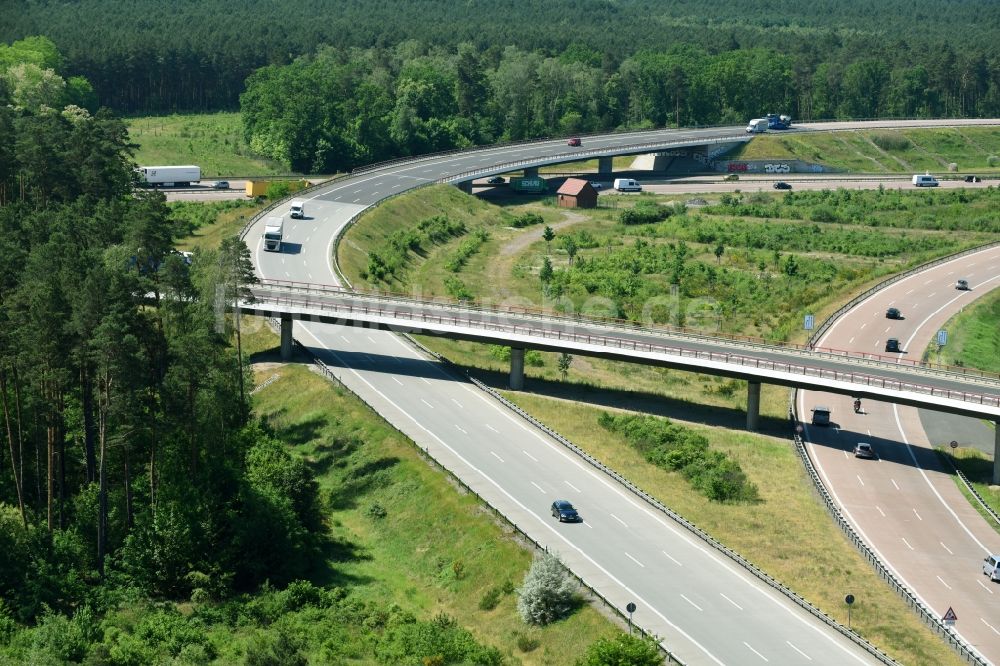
(330,375)
(662,508)
(979,498)
(964,650)
(292,301)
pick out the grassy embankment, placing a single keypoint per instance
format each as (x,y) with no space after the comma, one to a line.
(972,149)
(213,141)
(436,550)
(820,564)
(974,342)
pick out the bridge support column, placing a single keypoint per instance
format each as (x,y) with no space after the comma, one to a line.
(753,405)
(516,368)
(286,337)
(465,186)
(996,453)
(531,172)
(605,164)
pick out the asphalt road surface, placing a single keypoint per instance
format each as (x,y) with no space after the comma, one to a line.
(701,604)
(905,503)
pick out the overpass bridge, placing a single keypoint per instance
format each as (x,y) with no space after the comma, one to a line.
(877,378)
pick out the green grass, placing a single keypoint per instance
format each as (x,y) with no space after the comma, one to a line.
(973,337)
(883,151)
(409,557)
(818,563)
(213,141)
(978,468)
(214,221)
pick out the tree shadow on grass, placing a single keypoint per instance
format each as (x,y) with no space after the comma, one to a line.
(358,481)
(334,453)
(637,401)
(333,551)
(301,432)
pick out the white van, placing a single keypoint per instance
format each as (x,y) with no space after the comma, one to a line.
(925,180)
(757,126)
(627,185)
(297,209)
(991,567)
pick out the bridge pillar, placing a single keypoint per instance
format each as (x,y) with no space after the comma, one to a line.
(465,186)
(753,405)
(531,172)
(605,164)
(516,368)
(286,337)
(996,453)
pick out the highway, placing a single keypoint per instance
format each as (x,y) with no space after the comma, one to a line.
(905,504)
(706,610)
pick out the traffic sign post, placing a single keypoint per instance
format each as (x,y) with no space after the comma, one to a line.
(950,618)
(630,607)
(809,323)
(849,600)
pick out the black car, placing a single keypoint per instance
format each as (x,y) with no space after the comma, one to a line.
(496,180)
(893,313)
(565,512)
(973,179)
(892,345)
(782,185)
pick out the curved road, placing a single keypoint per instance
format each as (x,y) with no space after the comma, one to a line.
(685,592)
(905,504)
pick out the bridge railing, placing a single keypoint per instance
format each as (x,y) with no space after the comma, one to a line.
(511,331)
(501,313)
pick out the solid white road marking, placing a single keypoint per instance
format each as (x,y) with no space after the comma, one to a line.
(496,456)
(427,403)
(942,582)
(799,651)
(907,543)
(539,488)
(691,602)
(618,519)
(946,547)
(529,455)
(676,561)
(755,651)
(730,600)
(571,486)
(637,561)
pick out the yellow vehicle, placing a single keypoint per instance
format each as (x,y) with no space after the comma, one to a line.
(257,188)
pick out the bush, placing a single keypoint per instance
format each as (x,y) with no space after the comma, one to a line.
(622,650)
(526,220)
(376,511)
(891,141)
(491,599)
(645,212)
(548,593)
(992,160)
(526,643)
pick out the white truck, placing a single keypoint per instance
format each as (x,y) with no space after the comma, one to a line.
(272,234)
(757,126)
(297,209)
(169,176)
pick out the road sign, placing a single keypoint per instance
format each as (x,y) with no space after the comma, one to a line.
(630,607)
(942,337)
(954,444)
(950,618)
(849,599)
(809,323)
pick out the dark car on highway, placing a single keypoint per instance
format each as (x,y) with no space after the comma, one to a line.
(892,345)
(893,313)
(575,141)
(962,285)
(565,512)
(782,185)
(496,180)
(221,185)
(973,179)
(864,450)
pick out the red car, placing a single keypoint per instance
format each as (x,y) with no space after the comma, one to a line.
(575,141)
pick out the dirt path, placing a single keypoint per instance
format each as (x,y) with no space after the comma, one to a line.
(499,270)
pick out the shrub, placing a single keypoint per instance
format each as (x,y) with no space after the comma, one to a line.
(526,220)
(548,592)
(622,649)
(458,289)
(526,643)
(891,141)
(645,212)
(992,160)
(823,214)
(491,599)
(376,511)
